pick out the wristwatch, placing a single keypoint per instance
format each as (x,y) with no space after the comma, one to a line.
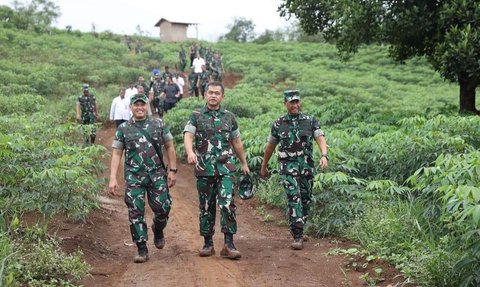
(174,170)
(325,156)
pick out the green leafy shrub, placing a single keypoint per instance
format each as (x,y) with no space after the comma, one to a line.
(36,259)
(21,104)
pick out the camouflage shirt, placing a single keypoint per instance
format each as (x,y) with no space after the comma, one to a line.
(87,106)
(203,77)
(157,86)
(141,158)
(294,135)
(181,54)
(213,132)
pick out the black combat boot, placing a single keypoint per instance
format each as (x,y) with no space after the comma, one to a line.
(229,251)
(207,249)
(297,243)
(158,237)
(142,255)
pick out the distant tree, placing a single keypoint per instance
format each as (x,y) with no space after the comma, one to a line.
(446,32)
(269,36)
(294,32)
(139,30)
(242,30)
(39,14)
(6,16)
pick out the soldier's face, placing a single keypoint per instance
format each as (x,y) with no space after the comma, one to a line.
(139,110)
(293,107)
(213,96)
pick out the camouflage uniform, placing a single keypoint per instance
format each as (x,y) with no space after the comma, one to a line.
(146,88)
(87,108)
(202,51)
(183,59)
(144,171)
(216,67)
(294,135)
(203,78)
(165,75)
(208,59)
(215,168)
(192,84)
(157,86)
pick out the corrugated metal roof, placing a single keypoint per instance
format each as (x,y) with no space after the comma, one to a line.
(174,22)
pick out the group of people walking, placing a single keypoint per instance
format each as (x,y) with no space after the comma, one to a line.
(211,138)
(206,66)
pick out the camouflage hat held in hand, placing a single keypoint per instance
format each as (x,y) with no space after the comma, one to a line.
(246,190)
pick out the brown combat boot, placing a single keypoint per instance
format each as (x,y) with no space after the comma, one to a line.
(207,249)
(229,251)
(142,255)
(158,237)
(297,243)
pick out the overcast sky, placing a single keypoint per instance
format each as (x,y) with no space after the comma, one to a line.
(122,17)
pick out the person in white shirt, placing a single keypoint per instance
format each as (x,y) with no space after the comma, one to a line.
(131,91)
(120,110)
(178,79)
(198,62)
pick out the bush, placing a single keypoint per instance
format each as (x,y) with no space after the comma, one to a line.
(48,265)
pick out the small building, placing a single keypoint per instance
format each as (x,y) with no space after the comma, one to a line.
(171,31)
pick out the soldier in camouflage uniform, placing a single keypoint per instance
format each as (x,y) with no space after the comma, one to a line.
(217,67)
(141,82)
(203,79)
(182,57)
(192,84)
(87,112)
(295,133)
(157,86)
(165,75)
(216,135)
(142,138)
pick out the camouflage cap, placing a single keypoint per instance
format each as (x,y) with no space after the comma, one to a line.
(138,97)
(246,189)
(85,86)
(291,95)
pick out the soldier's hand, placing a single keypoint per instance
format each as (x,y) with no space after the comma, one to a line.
(245,169)
(171,179)
(192,158)
(78,119)
(263,172)
(113,188)
(323,162)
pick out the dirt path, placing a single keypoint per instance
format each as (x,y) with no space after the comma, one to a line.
(267,259)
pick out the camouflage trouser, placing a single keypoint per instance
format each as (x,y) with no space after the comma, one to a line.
(183,63)
(158,105)
(212,190)
(158,199)
(299,197)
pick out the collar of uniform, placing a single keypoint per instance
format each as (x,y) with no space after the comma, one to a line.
(206,110)
(298,116)
(132,120)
